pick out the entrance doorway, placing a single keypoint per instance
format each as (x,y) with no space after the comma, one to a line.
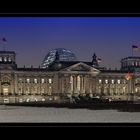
(5,91)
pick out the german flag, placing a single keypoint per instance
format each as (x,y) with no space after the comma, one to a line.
(128,76)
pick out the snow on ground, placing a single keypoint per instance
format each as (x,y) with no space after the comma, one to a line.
(45,114)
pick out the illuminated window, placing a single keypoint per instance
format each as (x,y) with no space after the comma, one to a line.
(112,81)
(50,80)
(20,80)
(9,59)
(119,81)
(5,91)
(28,80)
(132,63)
(42,81)
(5,59)
(0,59)
(100,81)
(124,89)
(35,80)
(136,81)
(136,89)
(106,81)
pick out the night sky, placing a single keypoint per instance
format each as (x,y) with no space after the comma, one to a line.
(32,38)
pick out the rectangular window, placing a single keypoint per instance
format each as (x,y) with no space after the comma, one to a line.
(112,81)
(136,89)
(119,81)
(100,81)
(35,80)
(132,63)
(10,59)
(42,81)
(106,81)
(50,80)
(5,59)
(28,80)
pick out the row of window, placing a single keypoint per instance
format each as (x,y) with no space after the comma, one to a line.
(36,80)
(106,81)
(131,64)
(5,59)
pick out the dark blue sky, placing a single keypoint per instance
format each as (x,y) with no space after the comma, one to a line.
(32,38)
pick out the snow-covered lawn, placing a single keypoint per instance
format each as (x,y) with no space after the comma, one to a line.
(44,114)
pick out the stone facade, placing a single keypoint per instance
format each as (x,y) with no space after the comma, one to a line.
(64,79)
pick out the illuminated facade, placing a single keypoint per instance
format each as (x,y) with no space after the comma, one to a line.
(67,78)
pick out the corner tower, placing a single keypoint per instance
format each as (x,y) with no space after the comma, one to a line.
(8,60)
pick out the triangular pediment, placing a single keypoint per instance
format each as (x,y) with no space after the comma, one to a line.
(81,67)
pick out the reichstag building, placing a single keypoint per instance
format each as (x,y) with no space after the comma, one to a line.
(62,75)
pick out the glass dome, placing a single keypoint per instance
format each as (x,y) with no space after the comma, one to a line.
(63,55)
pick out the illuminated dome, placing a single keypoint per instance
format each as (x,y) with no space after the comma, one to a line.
(59,53)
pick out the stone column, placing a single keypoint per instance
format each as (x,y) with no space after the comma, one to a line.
(93,85)
(62,84)
(75,84)
(90,84)
(81,84)
(87,84)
